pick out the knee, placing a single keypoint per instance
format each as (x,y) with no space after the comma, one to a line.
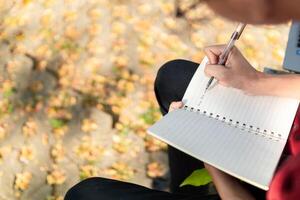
(170,68)
(172,65)
(172,80)
(169,71)
(84,189)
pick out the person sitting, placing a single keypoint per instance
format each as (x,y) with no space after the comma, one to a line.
(170,84)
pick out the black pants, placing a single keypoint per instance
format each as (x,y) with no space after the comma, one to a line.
(170,85)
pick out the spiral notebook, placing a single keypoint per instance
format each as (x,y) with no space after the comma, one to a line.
(239,134)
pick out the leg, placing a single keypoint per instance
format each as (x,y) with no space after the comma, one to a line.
(107,189)
(170,85)
(171,82)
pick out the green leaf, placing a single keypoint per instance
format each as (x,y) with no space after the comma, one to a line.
(82,176)
(10,108)
(149,116)
(57,123)
(9,92)
(197,178)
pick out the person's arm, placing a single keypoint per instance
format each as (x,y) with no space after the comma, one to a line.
(228,187)
(238,73)
(285,85)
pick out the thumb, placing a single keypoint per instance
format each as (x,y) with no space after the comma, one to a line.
(218,71)
(175,105)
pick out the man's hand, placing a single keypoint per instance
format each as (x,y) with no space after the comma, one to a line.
(237,73)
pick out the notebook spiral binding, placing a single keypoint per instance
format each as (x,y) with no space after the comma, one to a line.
(245,127)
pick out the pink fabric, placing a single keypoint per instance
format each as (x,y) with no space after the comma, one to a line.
(293,143)
(286,182)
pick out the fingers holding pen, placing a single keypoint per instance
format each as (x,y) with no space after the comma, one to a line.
(213,53)
(222,74)
(237,72)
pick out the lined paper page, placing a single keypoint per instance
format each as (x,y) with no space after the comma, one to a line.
(240,153)
(273,114)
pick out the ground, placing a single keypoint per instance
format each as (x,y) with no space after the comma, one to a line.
(76,90)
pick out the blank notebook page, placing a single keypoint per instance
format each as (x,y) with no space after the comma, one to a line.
(264,113)
(242,154)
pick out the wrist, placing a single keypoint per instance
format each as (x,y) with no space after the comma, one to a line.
(253,86)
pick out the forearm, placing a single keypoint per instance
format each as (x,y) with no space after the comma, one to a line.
(287,85)
(227,186)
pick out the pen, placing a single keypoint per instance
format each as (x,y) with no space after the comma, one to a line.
(223,57)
